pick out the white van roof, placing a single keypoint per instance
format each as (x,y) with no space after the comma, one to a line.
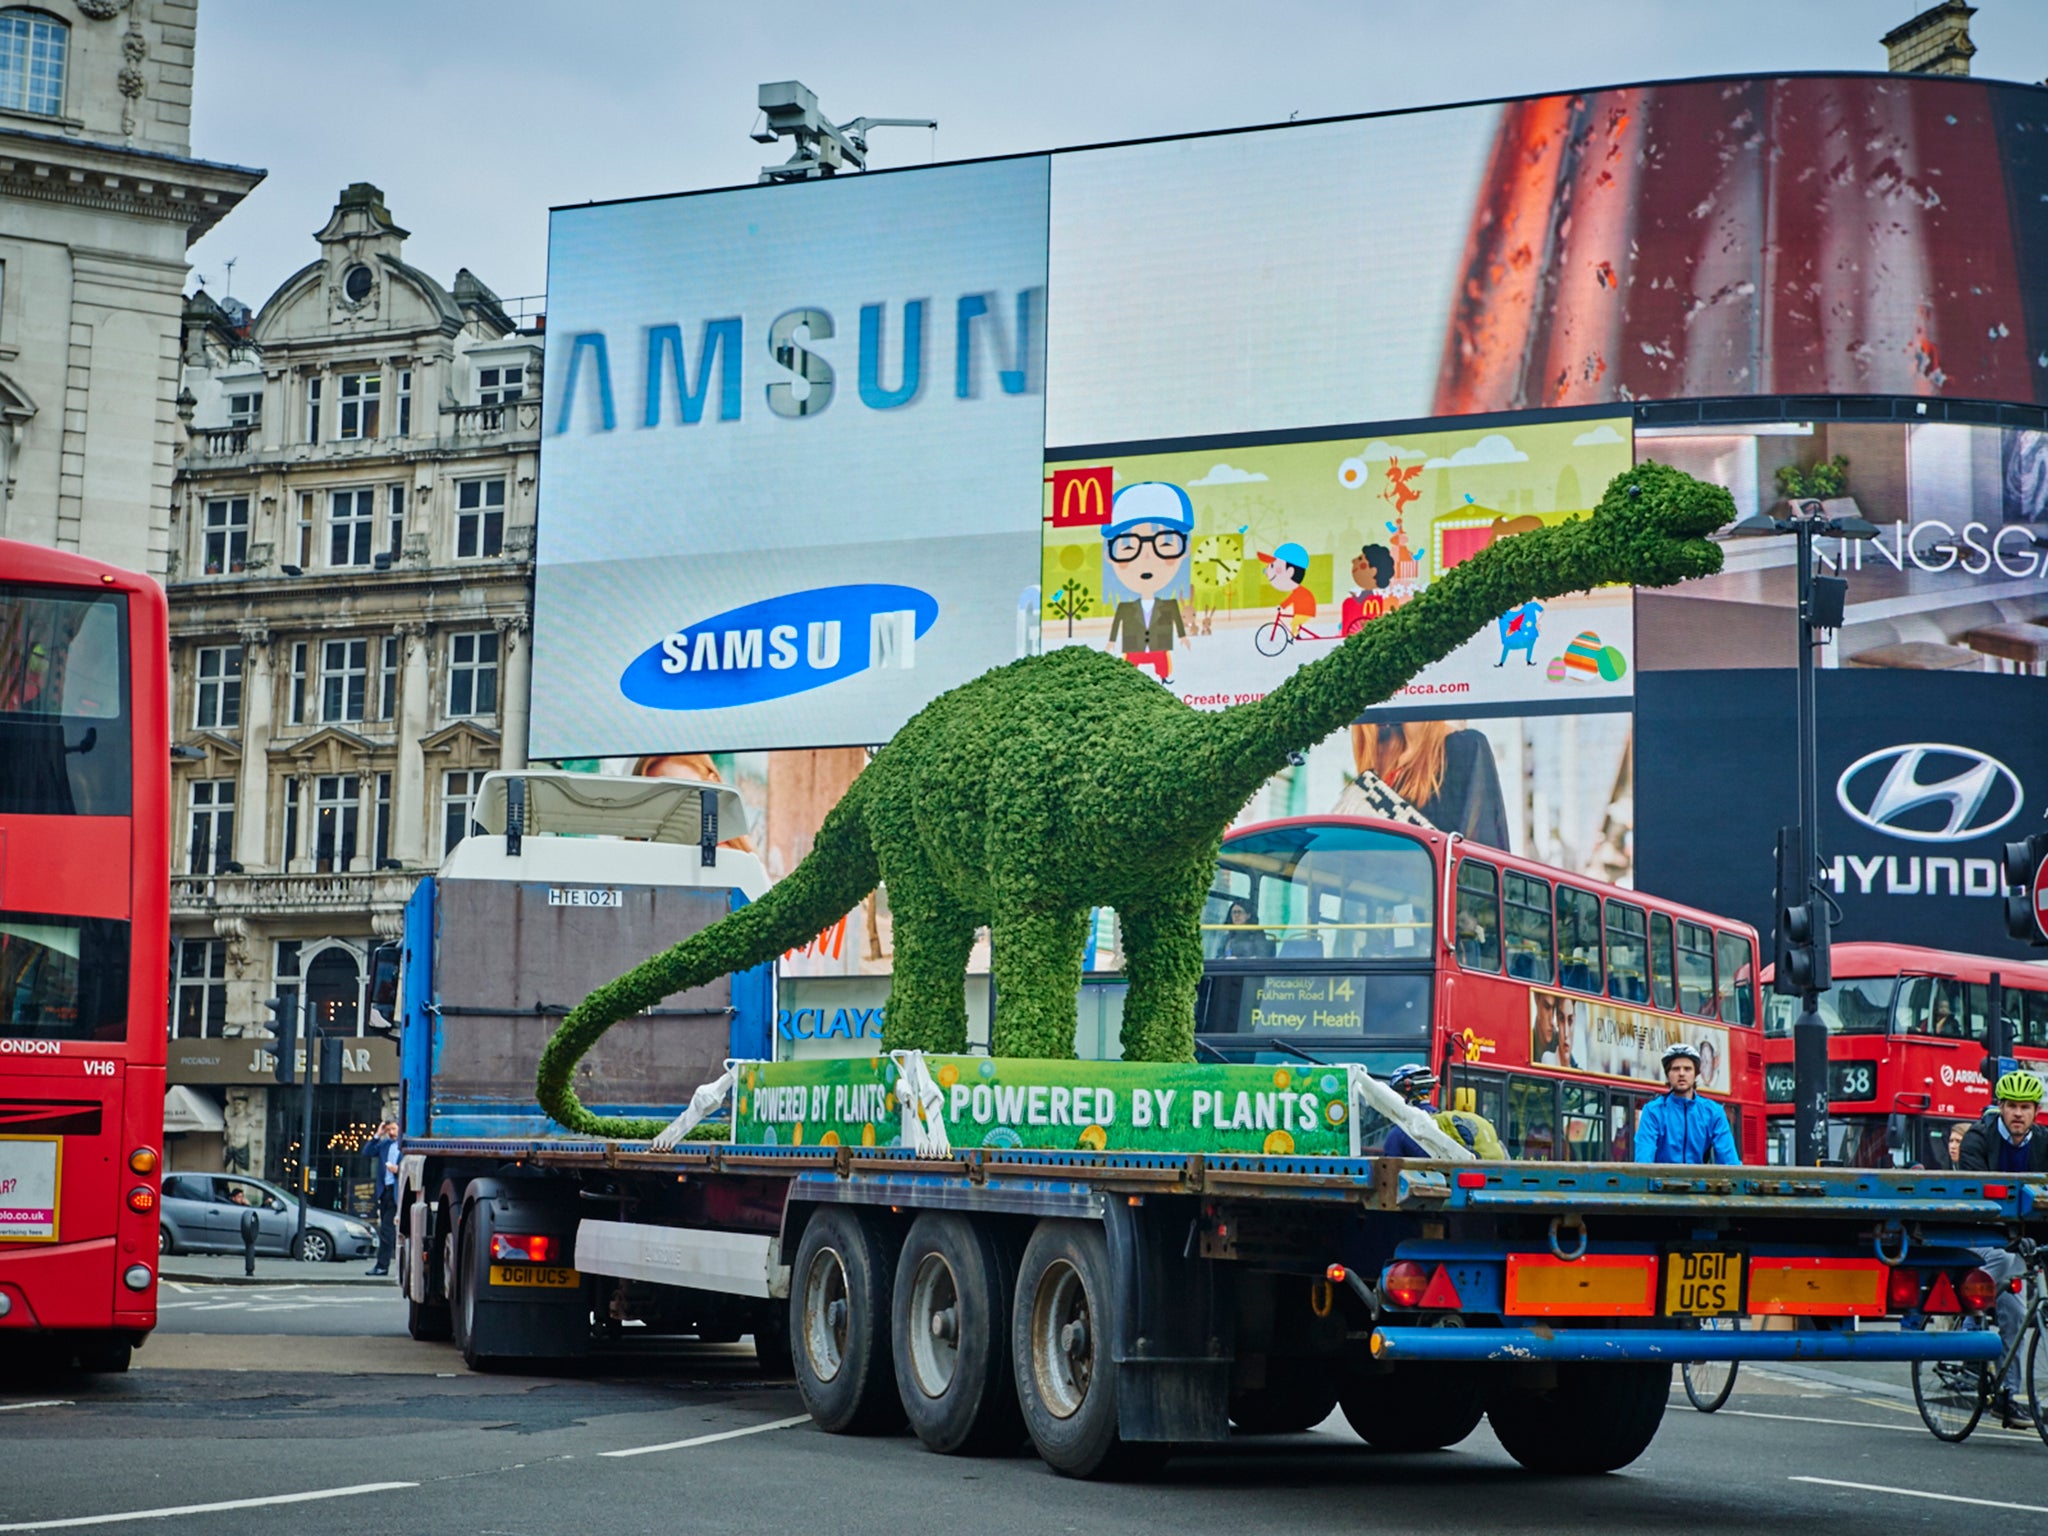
(561,804)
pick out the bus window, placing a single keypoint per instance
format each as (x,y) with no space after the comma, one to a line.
(1578,939)
(1737,995)
(2013,1006)
(2037,1018)
(1929,1005)
(1325,893)
(63,978)
(1486,1095)
(1977,1000)
(1528,927)
(1854,1005)
(1478,916)
(64,748)
(1663,984)
(1584,1122)
(1696,970)
(1531,1128)
(1627,975)
(1623,1110)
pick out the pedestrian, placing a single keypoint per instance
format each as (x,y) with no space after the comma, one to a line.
(1680,1126)
(1956,1133)
(384,1153)
(2009,1142)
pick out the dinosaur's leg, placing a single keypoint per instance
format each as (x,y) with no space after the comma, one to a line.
(1037,965)
(928,988)
(1163,959)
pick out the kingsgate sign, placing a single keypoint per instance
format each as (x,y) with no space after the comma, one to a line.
(782,646)
(1933,545)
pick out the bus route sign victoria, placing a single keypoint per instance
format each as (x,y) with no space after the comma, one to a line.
(1097,1106)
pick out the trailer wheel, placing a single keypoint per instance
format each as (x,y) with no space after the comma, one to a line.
(1596,1419)
(428,1321)
(1299,1394)
(839,1294)
(1415,1410)
(1066,1380)
(954,1287)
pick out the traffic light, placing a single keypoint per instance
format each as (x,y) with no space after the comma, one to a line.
(2026,909)
(331,1047)
(1799,958)
(283,1030)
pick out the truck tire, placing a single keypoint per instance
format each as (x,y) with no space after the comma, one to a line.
(839,1294)
(951,1332)
(771,1341)
(1299,1394)
(467,1280)
(1596,1419)
(428,1321)
(1414,1409)
(1059,1338)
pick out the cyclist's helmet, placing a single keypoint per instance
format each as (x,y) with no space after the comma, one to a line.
(1681,1052)
(1414,1082)
(2019,1087)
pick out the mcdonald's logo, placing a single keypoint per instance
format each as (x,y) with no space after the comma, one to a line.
(1081,497)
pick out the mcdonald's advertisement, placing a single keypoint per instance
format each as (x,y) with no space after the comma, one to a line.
(792,445)
(1219,571)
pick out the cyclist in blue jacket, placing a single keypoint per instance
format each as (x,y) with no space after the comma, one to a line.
(1682,1127)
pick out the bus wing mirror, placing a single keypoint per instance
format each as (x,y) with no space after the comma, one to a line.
(1894,1132)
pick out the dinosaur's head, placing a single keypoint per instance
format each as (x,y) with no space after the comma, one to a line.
(1653,522)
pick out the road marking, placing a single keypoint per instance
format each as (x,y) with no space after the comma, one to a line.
(1802,1418)
(684,1445)
(1905,1493)
(53,1402)
(207,1509)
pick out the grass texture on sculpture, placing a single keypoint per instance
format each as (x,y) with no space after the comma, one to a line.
(1072,780)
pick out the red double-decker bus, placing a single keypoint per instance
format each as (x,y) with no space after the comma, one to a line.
(84,940)
(1545,1000)
(1908,1031)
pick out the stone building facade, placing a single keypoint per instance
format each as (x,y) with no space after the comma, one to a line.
(350,585)
(99,200)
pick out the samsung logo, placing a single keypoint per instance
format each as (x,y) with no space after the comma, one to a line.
(782,646)
(1930,792)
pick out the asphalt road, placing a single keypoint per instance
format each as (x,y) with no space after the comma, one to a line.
(313,1404)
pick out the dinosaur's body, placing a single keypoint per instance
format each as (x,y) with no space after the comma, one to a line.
(1073,780)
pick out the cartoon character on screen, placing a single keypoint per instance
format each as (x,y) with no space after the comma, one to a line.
(1287,574)
(1518,632)
(1145,572)
(1372,574)
(1407,566)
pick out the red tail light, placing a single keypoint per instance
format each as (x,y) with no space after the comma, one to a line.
(1902,1291)
(531,1249)
(1405,1282)
(142,1198)
(1977,1290)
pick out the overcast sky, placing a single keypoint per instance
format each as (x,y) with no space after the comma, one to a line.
(475,116)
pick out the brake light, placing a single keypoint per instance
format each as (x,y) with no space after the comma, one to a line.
(1978,1290)
(1404,1283)
(1997,1191)
(1902,1291)
(1336,1274)
(142,1198)
(530,1248)
(142,1160)
(1471,1178)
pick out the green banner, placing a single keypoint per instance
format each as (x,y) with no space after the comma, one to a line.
(1054,1105)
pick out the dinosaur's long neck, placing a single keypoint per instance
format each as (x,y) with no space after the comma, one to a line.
(1232,753)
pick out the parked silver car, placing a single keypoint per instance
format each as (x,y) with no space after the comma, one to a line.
(202,1213)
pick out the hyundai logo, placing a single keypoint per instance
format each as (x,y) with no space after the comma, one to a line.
(1930,792)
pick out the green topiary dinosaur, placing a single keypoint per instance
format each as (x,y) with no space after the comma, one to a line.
(1072,780)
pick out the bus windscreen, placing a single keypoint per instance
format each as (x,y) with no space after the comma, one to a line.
(63,978)
(64,731)
(1321,893)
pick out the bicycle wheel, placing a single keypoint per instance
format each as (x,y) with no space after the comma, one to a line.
(2037,1373)
(1708,1382)
(1951,1394)
(1273,638)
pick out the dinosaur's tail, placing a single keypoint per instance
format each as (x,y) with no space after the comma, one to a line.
(839,870)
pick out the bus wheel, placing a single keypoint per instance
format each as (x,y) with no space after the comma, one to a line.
(1414,1410)
(951,1316)
(1066,1381)
(1596,1419)
(104,1354)
(1299,1394)
(839,1294)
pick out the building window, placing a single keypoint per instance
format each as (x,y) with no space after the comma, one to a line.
(291,821)
(219,703)
(360,398)
(336,808)
(405,402)
(287,972)
(473,674)
(313,410)
(200,1010)
(245,410)
(212,843)
(351,527)
(501,385)
(383,832)
(479,518)
(32,56)
(299,683)
(458,805)
(387,680)
(227,535)
(344,676)
(394,516)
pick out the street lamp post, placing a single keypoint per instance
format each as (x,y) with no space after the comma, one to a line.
(1802,936)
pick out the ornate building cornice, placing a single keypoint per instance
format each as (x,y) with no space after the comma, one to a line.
(109,178)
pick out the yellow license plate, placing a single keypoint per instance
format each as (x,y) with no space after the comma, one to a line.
(1703,1282)
(549,1275)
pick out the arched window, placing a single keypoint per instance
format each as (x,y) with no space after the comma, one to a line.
(33,48)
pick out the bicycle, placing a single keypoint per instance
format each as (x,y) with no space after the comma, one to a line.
(1953,1394)
(1708,1382)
